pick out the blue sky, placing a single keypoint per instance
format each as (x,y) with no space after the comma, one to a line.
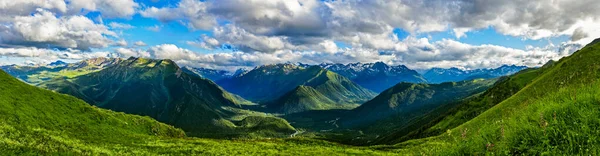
(233,33)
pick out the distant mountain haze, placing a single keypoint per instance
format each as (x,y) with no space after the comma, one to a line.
(269,83)
(376,76)
(439,75)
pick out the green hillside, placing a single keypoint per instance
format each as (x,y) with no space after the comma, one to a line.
(159,89)
(397,109)
(39,74)
(406,101)
(556,113)
(40,121)
(454,114)
(277,87)
(301,99)
(34,121)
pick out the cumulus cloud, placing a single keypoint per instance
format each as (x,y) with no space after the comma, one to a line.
(205,42)
(192,11)
(419,54)
(578,34)
(126,52)
(108,8)
(9,9)
(44,28)
(297,24)
(309,31)
(170,51)
(139,44)
(121,43)
(47,55)
(115,25)
(530,19)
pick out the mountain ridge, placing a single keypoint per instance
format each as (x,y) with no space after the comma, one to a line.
(376,76)
(439,75)
(159,89)
(271,82)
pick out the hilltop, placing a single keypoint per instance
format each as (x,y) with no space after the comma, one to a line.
(159,89)
(283,86)
(376,76)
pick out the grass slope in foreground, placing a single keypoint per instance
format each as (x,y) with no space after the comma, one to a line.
(454,114)
(34,121)
(557,113)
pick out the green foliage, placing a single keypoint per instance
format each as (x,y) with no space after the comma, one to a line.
(556,114)
(34,121)
(39,74)
(395,112)
(260,126)
(454,114)
(405,102)
(159,89)
(301,99)
(286,88)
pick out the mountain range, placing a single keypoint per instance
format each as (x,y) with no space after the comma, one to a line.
(376,76)
(161,90)
(408,100)
(379,76)
(547,110)
(213,74)
(36,121)
(287,88)
(439,75)
(395,108)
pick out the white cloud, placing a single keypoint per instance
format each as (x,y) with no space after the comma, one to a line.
(170,51)
(299,24)
(139,44)
(108,8)
(12,8)
(121,43)
(46,55)
(246,41)
(419,54)
(155,28)
(278,31)
(205,42)
(115,25)
(44,28)
(125,52)
(192,11)
(584,31)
